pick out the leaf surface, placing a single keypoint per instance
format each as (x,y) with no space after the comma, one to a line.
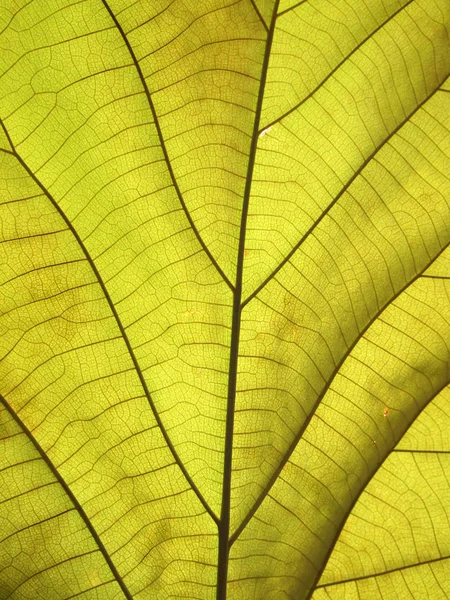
(225,324)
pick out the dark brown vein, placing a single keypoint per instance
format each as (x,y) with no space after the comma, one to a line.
(283,12)
(260,17)
(119,324)
(421,451)
(72,497)
(164,148)
(387,572)
(355,500)
(336,370)
(224,526)
(333,71)
(338,196)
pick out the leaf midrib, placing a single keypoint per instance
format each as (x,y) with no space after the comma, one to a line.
(224,525)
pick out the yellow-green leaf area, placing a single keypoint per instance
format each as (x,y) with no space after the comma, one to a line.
(224,299)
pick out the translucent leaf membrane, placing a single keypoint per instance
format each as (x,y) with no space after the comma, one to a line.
(431,430)
(396,367)
(264,9)
(85,129)
(68,376)
(287,5)
(308,156)
(313,39)
(428,581)
(202,71)
(44,543)
(224,299)
(376,239)
(396,540)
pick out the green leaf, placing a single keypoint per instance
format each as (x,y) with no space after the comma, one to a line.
(224,317)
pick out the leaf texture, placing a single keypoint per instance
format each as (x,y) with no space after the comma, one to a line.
(224,286)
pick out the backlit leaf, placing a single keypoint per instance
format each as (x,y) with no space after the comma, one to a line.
(224,309)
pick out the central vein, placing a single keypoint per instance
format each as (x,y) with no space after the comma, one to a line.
(224,525)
